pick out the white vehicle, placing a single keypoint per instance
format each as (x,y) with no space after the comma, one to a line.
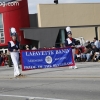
(82,40)
(3,50)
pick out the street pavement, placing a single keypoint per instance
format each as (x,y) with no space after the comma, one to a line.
(52,83)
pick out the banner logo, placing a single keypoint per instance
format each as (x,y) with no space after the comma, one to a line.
(48,59)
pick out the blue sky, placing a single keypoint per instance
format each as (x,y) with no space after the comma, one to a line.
(33,3)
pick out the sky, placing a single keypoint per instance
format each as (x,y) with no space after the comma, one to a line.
(33,3)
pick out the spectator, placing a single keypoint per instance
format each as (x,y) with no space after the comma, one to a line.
(88,44)
(34,48)
(44,48)
(77,56)
(77,42)
(85,56)
(53,47)
(96,42)
(99,44)
(62,45)
(9,59)
(1,59)
(95,53)
(6,59)
(27,47)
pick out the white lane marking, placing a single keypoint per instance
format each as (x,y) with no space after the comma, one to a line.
(29,97)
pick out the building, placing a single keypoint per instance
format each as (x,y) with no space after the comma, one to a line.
(53,18)
(13,16)
(48,26)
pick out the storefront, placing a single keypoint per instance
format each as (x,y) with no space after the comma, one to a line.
(13,16)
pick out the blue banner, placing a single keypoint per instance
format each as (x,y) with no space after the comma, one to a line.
(46,58)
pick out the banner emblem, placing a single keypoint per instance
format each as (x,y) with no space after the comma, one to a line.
(48,59)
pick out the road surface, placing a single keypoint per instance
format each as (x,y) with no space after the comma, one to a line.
(52,84)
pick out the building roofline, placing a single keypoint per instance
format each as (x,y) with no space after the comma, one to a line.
(79,26)
(72,3)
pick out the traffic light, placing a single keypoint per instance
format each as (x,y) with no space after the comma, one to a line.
(56,1)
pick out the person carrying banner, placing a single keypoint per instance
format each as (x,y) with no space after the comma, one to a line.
(13,47)
(71,42)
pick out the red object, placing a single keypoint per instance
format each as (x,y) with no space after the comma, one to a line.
(6,58)
(77,51)
(82,48)
(3,63)
(15,16)
(14,42)
(71,39)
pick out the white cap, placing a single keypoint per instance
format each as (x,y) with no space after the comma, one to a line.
(13,30)
(68,29)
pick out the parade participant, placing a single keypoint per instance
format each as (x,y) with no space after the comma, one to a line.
(13,47)
(71,42)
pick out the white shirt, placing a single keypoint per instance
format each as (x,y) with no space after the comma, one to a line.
(96,43)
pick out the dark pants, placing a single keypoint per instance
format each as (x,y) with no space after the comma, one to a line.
(9,61)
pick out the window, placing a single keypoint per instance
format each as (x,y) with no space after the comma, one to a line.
(61,37)
(2,37)
(1,22)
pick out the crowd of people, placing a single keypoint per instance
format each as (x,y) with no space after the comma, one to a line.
(3,59)
(89,52)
